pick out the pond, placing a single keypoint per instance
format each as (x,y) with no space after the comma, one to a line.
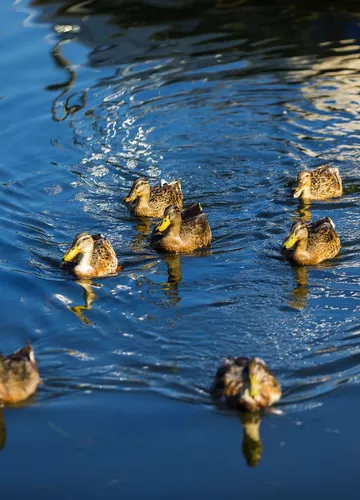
(233,99)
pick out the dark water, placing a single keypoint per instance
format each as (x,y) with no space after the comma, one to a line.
(233,101)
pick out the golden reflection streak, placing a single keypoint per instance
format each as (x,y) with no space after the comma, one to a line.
(2,430)
(89,297)
(251,445)
(139,242)
(304,210)
(171,287)
(301,291)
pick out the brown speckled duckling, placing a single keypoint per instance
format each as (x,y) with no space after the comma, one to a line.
(312,242)
(321,183)
(92,256)
(182,232)
(19,375)
(246,384)
(152,202)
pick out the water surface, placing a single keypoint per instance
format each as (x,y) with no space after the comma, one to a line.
(233,101)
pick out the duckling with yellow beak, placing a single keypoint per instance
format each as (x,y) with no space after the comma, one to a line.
(146,201)
(320,183)
(182,232)
(312,242)
(91,256)
(19,375)
(246,384)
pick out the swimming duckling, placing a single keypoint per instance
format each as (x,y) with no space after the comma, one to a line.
(321,183)
(19,375)
(246,384)
(182,232)
(151,202)
(91,256)
(312,242)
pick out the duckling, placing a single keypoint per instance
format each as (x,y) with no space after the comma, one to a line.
(91,256)
(19,375)
(151,202)
(181,232)
(312,242)
(246,384)
(321,183)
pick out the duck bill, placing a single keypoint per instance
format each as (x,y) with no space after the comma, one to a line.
(290,241)
(254,386)
(163,225)
(130,197)
(71,254)
(298,191)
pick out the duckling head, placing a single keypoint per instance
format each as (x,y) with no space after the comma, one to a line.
(297,232)
(83,243)
(139,189)
(172,217)
(258,371)
(303,185)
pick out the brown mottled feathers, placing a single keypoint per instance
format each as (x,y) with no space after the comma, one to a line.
(319,184)
(19,375)
(90,256)
(165,195)
(188,231)
(103,260)
(314,242)
(236,378)
(152,202)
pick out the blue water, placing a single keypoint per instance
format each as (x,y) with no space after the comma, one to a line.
(233,101)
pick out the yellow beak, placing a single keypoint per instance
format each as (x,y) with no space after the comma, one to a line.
(290,241)
(163,225)
(131,197)
(254,389)
(297,191)
(71,254)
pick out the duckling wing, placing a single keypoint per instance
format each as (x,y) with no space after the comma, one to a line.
(104,257)
(197,225)
(167,192)
(336,176)
(323,237)
(192,211)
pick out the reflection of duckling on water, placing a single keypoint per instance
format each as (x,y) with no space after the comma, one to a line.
(139,242)
(312,242)
(321,183)
(2,430)
(246,384)
(89,297)
(151,202)
(304,211)
(251,445)
(19,375)
(181,232)
(91,256)
(301,291)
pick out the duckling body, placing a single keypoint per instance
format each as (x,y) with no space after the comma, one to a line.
(312,242)
(181,232)
(19,375)
(321,183)
(152,202)
(91,256)
(246,384)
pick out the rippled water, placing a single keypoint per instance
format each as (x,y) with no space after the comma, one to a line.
(233,101)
